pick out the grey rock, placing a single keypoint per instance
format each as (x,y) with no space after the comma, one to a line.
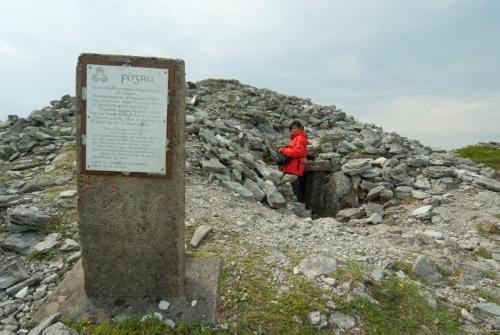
(200,234)
(347,214)
(403,191)
(315,265)
(386,194)
(437,171)
(425,267)
(375,218)
(379,162)
(356,166)
(208,136)
(342,320)
(370,137)
(423,184)
(252,186)
(47,322)
(420,195)
(375,151)
(243,169)
(41,136)
(377,274)
(6,332)
(213,166)
(22,293)
(20,243)
(269,173)
(419,161)
(274,198)
(488,312)
(59,328)
(9,200)
(24,218)
(238,189)
(11,274)
(490,184)
(372,208)
(25,145)
(429,299)
(423,213)
(49,243)
(52,278)
(35,278)
(299,209)
(375,192)
(314,317)
(74,257)
(345,147)
(43,183)
(69,245)
(9,307)
(372,173)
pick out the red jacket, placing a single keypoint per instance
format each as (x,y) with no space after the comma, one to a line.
(297,149)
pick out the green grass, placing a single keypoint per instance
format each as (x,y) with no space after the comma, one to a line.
(480,154)
(134,326)
(402,310)
(40,256)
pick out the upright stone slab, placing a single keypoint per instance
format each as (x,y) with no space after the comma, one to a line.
(130,167)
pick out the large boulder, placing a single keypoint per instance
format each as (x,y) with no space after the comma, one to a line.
(336,194)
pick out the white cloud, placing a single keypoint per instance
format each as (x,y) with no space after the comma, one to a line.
(377,60)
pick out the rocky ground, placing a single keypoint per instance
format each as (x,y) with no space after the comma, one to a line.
(392,219)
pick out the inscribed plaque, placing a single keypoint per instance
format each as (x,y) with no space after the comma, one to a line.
(126,119)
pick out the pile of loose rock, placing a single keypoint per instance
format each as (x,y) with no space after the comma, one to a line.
(234,131)
(356,173)
(30,146)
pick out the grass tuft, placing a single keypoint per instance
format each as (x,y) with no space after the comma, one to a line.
(40,256)
(402,310)
(480,154)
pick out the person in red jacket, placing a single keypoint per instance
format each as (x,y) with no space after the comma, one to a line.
(297,151)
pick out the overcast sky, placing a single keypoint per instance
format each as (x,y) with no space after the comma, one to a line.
(429,70)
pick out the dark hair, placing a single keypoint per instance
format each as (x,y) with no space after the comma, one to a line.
(296,124)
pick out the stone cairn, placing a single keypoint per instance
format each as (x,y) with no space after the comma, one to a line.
(233,132)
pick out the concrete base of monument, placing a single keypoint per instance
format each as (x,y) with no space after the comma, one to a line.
(202,286)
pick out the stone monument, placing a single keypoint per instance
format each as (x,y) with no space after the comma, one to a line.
(130,163)
(130,175)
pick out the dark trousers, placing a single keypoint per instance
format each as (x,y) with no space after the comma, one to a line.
(298,189)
